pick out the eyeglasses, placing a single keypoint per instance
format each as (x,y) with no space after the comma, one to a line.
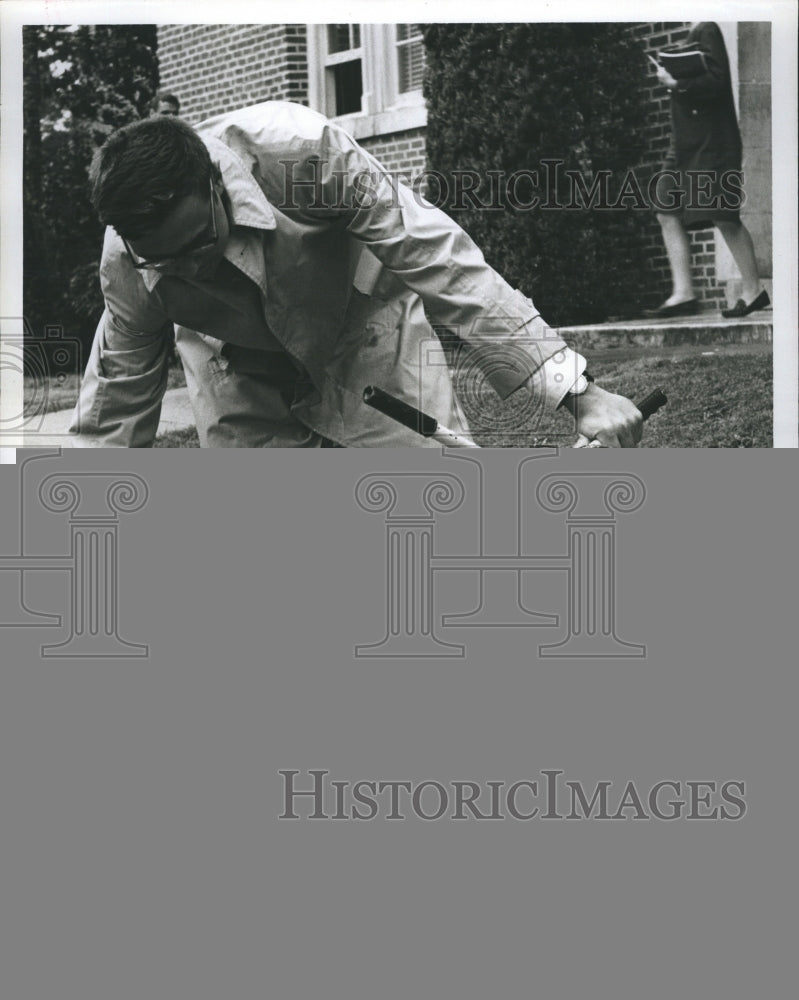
(196,248)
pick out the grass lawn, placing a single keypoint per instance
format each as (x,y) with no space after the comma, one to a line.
(178,439)
(721,401)
(714,402)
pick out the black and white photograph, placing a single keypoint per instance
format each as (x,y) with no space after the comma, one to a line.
(491,234)
(454,707)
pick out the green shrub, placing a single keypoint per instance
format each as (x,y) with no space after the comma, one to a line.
(506,97)
(80,83)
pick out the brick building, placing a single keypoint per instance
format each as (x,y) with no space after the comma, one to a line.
(369,77)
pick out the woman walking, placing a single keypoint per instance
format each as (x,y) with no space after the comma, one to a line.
(705,137)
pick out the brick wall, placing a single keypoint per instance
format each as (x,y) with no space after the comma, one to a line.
(403,152)
(215,68)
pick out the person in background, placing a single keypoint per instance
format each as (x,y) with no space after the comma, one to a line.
(165,104)
(705,137)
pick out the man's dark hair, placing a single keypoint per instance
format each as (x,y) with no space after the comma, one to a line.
(143,170)
(164,95)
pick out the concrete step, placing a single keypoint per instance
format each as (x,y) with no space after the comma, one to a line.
(709,328)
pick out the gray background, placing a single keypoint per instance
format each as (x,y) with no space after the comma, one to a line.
(140,851)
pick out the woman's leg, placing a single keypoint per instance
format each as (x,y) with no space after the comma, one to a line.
(678,249)
(737,238)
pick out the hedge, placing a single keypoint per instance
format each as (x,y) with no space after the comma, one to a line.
(508,97)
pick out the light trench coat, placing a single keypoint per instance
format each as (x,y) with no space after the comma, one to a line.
(346,261)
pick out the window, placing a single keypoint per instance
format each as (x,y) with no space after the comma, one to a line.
(343,70)
(368,75)
(410,57)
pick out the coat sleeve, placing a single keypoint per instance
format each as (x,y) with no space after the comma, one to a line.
(119,404)
(714,82)
(335,180)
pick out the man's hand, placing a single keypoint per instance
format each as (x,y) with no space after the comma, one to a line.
(604,420)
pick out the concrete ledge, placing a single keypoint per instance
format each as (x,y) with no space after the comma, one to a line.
(711,329)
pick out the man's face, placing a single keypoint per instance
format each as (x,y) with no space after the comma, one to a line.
(190,225)
(167,108)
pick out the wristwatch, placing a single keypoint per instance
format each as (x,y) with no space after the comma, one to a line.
(579,387)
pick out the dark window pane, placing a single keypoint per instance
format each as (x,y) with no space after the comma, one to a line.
(338,37)
(342,37)
(349,87)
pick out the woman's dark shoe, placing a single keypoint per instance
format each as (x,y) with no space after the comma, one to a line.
(742,309)
(688,308)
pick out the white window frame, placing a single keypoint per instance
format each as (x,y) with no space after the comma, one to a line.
(383,108)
